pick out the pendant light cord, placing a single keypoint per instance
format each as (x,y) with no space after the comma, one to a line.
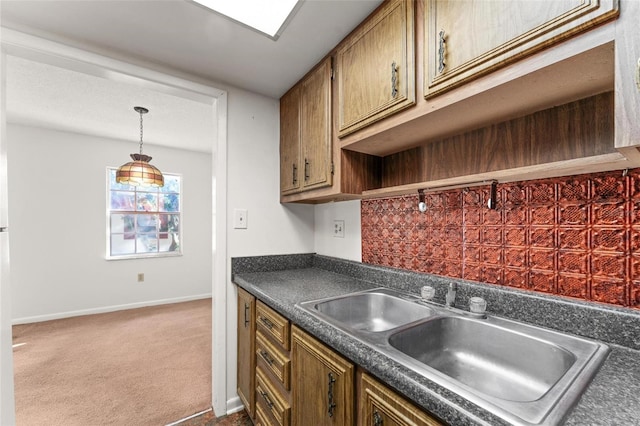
(140,132)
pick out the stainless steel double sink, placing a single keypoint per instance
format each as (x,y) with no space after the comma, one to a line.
(524,374)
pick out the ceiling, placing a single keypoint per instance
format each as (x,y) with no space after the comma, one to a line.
(175,36)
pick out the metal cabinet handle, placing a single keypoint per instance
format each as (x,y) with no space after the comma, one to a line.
(295,174)
(265,355)
(306,170)
(266,398)
(266,323)
(441,52)
(246,314)
(377,419)
(331,404)
(394,79)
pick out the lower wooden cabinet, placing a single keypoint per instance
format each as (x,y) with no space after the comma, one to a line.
(322,389)
(246,350)
(380,406)
(310,384)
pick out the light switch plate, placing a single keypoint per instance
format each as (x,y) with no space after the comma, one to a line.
(338,228)
(240,219)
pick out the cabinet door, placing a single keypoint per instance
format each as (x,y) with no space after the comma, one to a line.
(375,68)
(322,386)
(380,406)
(468,38)
(290,141)
(315,126)
(246,350)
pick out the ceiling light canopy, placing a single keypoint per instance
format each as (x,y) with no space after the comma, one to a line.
(268,17)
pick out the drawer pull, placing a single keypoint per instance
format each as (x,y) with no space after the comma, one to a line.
(394,79)
(267,400)
(332,404)
(295,174)
(265,355)
(266,323)
(441,63)
(377,419)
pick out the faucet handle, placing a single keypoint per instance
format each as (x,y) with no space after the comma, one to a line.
(477,305)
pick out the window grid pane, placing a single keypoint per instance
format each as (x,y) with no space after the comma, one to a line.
(144,221)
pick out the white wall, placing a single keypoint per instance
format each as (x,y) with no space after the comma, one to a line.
(253,162)
(349,247)
(57,205)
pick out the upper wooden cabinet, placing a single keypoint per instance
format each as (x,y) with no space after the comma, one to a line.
(315,127)
(305,133)
(468,38)
(375,67)
(290,141)
(504,60)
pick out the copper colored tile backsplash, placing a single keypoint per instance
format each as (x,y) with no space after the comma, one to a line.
(576,236)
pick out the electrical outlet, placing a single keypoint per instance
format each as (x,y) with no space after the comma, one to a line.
(141,277)
(338,228)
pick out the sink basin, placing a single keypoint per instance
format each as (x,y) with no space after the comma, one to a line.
(493,360)
(373,311)
(524,374)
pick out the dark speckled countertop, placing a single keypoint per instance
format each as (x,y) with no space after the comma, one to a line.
(613,397)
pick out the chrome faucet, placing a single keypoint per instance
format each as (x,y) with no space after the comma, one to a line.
(450,298)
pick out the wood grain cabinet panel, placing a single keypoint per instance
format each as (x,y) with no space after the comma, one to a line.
(272,404)
(322,388)
(246,350)
(380,406)
(290,141)
(316,127)
(627,81)
(375,67)
(273,324)
(465,39)
(275,361)
(305,133)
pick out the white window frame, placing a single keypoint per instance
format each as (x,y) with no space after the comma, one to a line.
(136,213)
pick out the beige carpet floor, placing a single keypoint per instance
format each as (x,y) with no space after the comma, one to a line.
(148,366)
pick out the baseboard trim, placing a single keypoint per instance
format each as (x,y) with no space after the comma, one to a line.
(105,309)
(193,416)
(234,405)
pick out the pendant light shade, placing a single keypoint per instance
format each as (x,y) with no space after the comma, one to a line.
(139,172)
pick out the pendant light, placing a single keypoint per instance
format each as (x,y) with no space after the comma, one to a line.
(139,172)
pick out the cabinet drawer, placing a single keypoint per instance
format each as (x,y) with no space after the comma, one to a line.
(262,417)
(270,400)
(273,324)
(274,359)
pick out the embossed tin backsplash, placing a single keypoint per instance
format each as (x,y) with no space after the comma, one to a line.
(576,236)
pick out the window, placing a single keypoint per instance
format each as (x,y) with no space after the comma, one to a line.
(143,221)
